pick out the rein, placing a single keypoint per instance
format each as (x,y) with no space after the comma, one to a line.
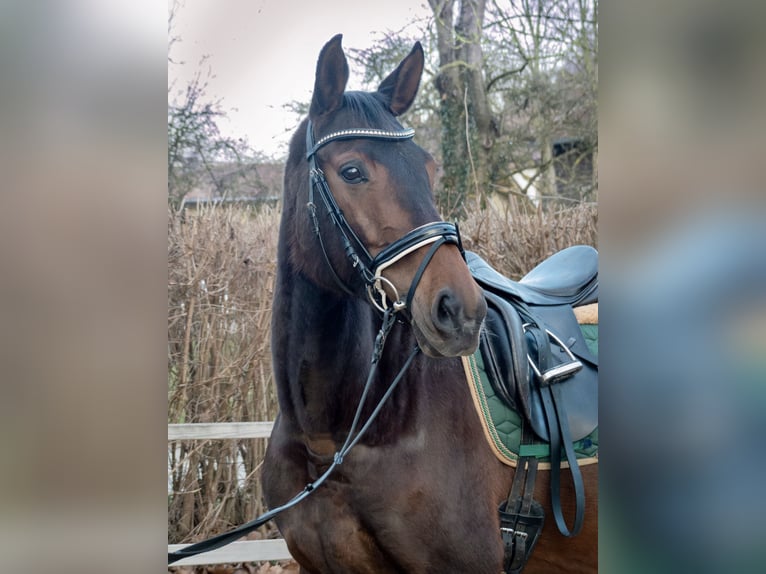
(351,440)
(434,234)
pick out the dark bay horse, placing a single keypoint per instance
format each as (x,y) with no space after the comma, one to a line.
(420,491)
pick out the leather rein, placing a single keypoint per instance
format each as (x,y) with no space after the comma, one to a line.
(370,268)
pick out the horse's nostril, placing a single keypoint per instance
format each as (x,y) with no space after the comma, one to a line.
(447,310)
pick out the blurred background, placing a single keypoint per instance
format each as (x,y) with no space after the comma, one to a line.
(683,277)
(649,125)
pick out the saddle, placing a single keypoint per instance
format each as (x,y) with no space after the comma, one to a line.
(539,363)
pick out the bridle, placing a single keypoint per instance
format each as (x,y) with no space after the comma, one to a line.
(371,268)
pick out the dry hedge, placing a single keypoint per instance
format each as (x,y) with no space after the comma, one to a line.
(221,270)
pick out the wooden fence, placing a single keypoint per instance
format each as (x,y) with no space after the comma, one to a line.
(240,551)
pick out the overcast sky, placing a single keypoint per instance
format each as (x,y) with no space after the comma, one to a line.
(263,53)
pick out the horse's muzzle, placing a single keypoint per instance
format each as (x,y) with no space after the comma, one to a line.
(452,327)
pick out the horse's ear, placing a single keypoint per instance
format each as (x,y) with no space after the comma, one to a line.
(401,86)
(331,78)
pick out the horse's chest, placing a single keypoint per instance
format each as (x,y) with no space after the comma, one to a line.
(396,510)
(422,504)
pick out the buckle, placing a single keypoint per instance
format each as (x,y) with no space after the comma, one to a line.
(560,371)
(512,532)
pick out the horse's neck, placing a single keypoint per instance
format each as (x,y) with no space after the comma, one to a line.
(322,347)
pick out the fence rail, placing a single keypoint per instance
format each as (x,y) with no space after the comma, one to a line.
(240,551)
(206,431)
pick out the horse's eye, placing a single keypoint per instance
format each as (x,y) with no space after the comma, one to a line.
(352,174)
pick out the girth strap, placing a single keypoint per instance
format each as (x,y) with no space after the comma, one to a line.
(521,517)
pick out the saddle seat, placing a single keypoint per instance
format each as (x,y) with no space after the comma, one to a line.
(569,277)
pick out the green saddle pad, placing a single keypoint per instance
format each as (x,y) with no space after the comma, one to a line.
(502,425)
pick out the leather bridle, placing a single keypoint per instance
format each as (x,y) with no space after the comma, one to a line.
(371,268)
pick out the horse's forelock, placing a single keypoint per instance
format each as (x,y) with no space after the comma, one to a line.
(366,110)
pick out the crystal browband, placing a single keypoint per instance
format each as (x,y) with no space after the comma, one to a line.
(361,133)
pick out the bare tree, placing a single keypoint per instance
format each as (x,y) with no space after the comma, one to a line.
(196,145)
(468,127)
(550,105)
(512,103)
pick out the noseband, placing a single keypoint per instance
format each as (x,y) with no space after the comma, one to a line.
(371,268)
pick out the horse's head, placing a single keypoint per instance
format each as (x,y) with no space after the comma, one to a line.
(370,199)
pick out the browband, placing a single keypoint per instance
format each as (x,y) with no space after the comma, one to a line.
(360,133)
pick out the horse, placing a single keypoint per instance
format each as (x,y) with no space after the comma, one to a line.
(361,244)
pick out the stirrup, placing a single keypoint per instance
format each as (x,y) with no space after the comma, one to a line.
(559,372)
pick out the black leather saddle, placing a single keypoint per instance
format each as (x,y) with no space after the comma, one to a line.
(531,330)
(538,361)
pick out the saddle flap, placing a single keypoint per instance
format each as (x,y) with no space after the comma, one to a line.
(503,350)
(507,348)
